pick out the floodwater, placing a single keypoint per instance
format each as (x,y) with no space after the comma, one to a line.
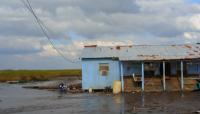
(16,100)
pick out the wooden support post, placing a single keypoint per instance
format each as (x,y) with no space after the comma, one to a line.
(142,76)
(164,84)
(122,76)
(182,80)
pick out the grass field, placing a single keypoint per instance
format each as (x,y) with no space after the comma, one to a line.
(35,75)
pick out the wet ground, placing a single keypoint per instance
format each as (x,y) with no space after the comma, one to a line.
(17,100)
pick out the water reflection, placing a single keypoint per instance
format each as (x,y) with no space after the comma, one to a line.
(142,99)
(119,99)
(182,94)
(42,101)
(163,102)
(61,94)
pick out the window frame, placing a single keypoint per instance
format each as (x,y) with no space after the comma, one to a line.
(104,67)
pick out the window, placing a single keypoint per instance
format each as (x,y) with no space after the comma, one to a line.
(104,69)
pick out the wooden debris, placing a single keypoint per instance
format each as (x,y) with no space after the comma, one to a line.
(76,86)
(12,82)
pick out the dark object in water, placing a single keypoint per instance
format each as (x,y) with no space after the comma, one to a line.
(62,87)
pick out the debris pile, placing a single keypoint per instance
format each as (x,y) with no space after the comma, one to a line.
(71,88)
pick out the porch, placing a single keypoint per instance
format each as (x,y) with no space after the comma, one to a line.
(148,76)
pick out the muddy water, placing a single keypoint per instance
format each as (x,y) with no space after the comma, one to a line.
(16,100)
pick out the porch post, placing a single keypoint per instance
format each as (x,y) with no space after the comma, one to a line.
(122,77)
(164,84)
(142,76)
(182,81)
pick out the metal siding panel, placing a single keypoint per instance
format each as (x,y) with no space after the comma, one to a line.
(144,52)
(134,68)
(84,75)
(193,68)
(94,80)
(173,69)
(122,75)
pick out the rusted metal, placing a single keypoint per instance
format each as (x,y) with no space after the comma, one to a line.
(88,46)
(188,46)
(118,47)
(144,52)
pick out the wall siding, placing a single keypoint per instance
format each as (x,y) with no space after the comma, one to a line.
(134,67)
(91,77)
(193,68)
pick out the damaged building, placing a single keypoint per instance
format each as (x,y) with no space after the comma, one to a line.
(142,67)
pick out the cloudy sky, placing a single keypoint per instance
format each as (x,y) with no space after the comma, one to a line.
(74,23)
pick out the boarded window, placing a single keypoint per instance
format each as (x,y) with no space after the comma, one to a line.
(104,69)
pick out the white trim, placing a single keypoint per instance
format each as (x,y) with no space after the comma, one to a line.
(142,76)
(122,76)
(164,82)
(182,80)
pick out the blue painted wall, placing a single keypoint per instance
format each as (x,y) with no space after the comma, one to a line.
(91,77)
(174,67)
(193,68)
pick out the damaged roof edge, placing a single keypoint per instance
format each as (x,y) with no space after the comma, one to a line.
(107,58)
(90,46)
(115,58)
(144,52)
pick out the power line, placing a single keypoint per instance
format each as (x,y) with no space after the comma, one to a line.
(43,28)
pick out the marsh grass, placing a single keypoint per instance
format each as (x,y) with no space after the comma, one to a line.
(35,75)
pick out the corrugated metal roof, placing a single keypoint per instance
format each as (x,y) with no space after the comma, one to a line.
(144,52)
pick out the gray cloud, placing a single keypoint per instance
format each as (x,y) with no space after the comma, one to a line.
(94,18)
(19,46)
(141,21)
(19,28)
(109,6)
